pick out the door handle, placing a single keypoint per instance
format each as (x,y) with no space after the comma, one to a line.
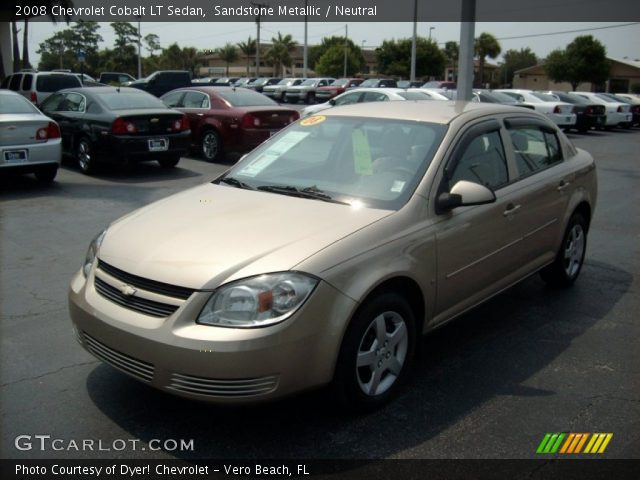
(562,185)
(511,209)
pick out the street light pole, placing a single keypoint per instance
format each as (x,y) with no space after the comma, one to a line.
(346,48)
(430,29)
(465,58)
(139,57)
(304,54)
(412,75)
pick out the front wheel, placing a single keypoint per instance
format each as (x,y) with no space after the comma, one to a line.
(376,352)
(568,263)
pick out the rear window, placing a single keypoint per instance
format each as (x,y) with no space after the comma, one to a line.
(545,97)
(246,99)
(15,104)
(53,83)
(27,81)
(414,96)
(14,84)
(129,100)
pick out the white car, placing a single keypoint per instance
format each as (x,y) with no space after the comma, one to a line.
(363,95)
(435,93)
(618,113)
(561,113)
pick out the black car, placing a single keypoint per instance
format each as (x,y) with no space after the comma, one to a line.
(163,81)
(117,125)
(588,114)
(378,83)
(259,83)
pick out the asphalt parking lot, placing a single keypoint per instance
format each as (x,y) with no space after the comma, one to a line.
(489,385)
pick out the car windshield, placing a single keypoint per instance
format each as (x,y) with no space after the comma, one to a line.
(500,97)
(545,97)
(246,98)
(16,104)
(311,81)
(126,100)
(414,95)
(364,162)
(372,82)
(341,82)
(286,81)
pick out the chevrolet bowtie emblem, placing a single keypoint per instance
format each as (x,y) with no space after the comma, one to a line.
(127,290)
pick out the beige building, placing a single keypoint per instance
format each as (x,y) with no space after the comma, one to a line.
(624,73)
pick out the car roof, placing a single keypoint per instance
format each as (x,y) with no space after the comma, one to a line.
(422,111)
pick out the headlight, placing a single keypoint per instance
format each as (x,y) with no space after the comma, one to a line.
(92,252)
(257,301)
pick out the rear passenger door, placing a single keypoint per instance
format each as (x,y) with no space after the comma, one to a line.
(543,179)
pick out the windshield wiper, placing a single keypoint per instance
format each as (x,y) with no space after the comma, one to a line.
(236,183)
(313,193)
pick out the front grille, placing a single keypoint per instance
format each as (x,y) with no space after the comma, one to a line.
(141,305)
(244,387)
(138,368)
(146,284)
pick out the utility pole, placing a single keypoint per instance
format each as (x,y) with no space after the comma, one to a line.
(304,54)
(346,48)
(412,76)
(259,6)
(465,58)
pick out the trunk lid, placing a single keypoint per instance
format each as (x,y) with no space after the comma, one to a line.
(20,129)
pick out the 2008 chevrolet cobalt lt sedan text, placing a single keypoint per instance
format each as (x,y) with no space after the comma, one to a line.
(322,255)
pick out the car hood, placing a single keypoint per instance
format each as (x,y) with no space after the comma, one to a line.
(213,234)
(301,88)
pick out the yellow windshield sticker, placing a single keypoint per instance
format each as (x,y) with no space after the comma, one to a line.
(361,153)
(307,122)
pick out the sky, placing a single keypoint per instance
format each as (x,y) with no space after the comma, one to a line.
(620,39)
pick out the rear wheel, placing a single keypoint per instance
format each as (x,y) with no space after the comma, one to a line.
(84,155)
(376,352)
(169,162)
(568,263)
(310,98)
(46,174)
(211,146)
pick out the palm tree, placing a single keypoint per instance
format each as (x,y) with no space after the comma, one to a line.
(279,55)
(229,54)
(452,51)
(190,59)
(486,46)
(248,48)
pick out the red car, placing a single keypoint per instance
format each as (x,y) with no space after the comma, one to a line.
(338,86)
(228,119)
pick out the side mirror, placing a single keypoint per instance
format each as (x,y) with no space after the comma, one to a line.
(463,194)
(332,102)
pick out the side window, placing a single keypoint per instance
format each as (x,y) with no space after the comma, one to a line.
(74,102)
(374,97)
(173,99)
(53,103)
(534,149)
(348,99)
(483,161)
(195,100)
(14,84)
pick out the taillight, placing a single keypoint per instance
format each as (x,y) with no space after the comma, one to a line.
(34,97)
(620,109)
(556,109)
(293,117)
(589,110)
(121,127)
(250,121)
(181,124)
(635,108)
(48,132)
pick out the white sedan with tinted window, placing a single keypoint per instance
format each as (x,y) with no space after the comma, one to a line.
(561,113)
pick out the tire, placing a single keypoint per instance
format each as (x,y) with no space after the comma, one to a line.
(385,320)
(84,156)
(568,263)
(211,146)
(46,174)
(310,98)
(169,162)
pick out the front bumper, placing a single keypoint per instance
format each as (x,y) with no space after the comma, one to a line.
(214,364)
(120,148)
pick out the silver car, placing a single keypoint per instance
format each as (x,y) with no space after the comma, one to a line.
(323,255)
(29,141)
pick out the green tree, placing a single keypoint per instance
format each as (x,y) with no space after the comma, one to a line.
(190,59)
(171,58)
(451,52)
(228,54)
(331,63)
(394,58)
(317,51)
(152,43)
(248,48)
(124,55)
(584,60)
(486,46)
(515,60)
(61,49)
(279,54)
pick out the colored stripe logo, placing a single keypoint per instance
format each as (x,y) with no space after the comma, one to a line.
(567,443)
